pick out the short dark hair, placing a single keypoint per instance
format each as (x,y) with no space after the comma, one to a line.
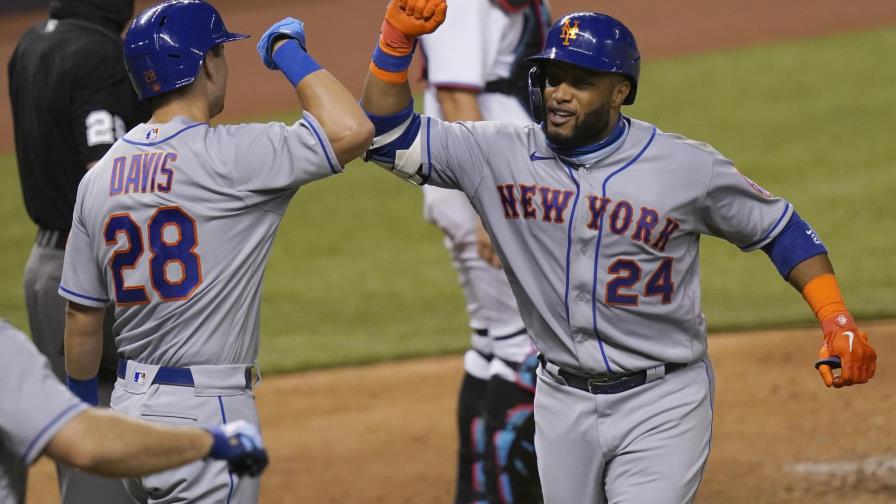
(158,101)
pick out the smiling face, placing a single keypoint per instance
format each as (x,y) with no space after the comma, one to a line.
(581,105)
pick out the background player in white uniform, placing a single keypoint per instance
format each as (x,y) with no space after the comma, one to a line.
(39,415)
(597,218)
(475,64)
(174,226)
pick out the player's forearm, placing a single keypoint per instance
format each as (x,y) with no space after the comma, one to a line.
(804,272)
(459,104)
(113,445)
(83,340)
(384,99)
(346,125)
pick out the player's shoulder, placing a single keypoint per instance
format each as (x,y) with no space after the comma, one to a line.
(671,143)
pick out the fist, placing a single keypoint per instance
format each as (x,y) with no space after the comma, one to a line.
(286,28)
(858,360)
(239,443)
(416,17)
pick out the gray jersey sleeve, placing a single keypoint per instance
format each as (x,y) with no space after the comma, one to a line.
(80,268)
(737,209)
(271,158)
(34,405)
(455,155)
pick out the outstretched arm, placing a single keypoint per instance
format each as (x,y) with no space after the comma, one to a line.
(801,257)
(282,47)
(109,444)
(387,96)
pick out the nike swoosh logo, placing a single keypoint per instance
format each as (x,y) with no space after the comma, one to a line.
(851,336)
(536,157)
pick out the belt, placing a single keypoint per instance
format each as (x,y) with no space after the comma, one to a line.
(609,384)
(181,377)
(54,238)
(485,332)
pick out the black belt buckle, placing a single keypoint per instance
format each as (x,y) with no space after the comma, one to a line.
(615,384)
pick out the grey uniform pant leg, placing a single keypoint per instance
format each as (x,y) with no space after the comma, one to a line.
(201,481)
(46,318)
(648,444)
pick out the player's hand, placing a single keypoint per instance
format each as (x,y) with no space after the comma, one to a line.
(239,443)
(858,360)
(416,17)
(485,248)
(286,28)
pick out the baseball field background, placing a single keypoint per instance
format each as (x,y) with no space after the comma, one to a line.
(800,94)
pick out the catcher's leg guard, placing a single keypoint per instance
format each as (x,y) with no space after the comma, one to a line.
(511,470)
(469,420)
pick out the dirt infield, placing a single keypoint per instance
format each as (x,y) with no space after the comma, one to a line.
(385,433)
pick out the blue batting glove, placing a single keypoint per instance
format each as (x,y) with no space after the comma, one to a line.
(287,27)
(239,443)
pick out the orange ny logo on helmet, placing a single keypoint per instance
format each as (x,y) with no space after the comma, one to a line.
(150,75)
(569,32)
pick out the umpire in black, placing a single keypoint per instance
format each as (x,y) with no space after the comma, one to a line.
(71,99)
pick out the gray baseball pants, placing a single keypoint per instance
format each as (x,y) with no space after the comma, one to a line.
(647,444)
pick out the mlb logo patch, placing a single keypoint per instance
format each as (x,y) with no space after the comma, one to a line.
(152,134)
(139,377)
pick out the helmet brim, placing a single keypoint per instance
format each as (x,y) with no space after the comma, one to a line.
(231,36)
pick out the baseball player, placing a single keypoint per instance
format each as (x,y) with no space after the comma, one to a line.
(596,218)
(71,99)
(475,67)
(174,226)
(39,415)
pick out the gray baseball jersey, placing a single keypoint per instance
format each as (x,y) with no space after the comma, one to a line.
(174,225)
(34,405)
(603,255)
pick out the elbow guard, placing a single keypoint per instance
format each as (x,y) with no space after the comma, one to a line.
(793,245)
(397,145)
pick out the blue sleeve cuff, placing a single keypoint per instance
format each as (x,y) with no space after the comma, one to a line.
(793,245)
(387,123)
(294,62)
(86,390)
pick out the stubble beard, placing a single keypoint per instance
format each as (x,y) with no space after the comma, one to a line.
(587,132)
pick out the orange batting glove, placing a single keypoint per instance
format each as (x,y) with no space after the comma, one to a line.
(416,17)
(843,341)
(405,21)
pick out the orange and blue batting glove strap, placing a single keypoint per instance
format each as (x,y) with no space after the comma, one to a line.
(405,21)
(845,346)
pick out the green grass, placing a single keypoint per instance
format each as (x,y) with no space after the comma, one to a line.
(356,275)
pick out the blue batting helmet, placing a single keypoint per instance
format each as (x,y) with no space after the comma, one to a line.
(166,44)
(588,40)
